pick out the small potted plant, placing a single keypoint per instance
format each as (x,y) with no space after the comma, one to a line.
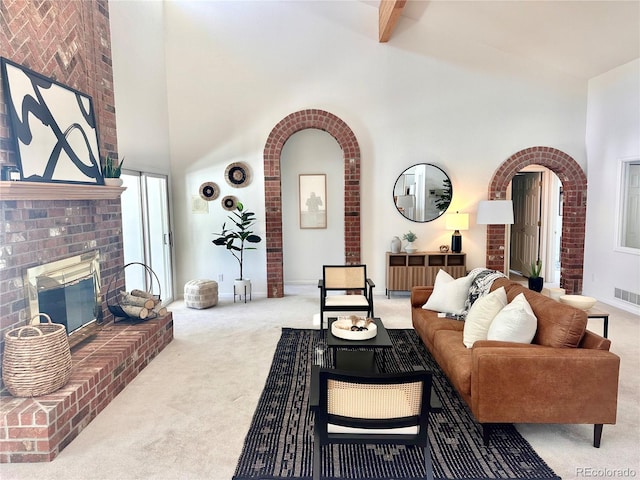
(536,282)
(410,238)
(111,171)
(235,240)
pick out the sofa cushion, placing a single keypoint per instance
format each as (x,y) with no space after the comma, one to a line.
(454,358)
(427,323)
(514,323)
(449,294)
(559,325)
(481,314)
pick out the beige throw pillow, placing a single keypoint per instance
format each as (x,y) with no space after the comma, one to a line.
(449,294)
(515,323)
(481,314)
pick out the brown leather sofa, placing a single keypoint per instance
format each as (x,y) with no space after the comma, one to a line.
(566,375)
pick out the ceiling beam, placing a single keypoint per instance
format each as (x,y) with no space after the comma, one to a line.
(388,14)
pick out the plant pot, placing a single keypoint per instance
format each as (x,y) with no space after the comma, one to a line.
(410,248)
(113,182)
(536,284)
(241,287)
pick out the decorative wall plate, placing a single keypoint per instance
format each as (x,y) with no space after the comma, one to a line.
(230,203)
(209,191)
(238,174)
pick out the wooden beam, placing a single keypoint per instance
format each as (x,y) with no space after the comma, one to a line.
(388,15)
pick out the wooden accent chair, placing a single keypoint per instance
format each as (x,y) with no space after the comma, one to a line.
(345,288)
(387,408)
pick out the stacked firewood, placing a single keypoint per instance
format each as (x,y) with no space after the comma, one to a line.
(141,304)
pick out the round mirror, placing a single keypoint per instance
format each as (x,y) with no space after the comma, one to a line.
(422,192)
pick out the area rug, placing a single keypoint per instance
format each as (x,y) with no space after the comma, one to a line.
(279,444)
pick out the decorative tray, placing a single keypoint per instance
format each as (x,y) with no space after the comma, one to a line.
(353,327)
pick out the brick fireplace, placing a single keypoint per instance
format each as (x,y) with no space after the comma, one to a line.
(38,227)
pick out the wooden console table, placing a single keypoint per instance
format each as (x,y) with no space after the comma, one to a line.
(407,270)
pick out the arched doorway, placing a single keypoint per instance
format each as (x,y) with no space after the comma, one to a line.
(289,125)
(574,185)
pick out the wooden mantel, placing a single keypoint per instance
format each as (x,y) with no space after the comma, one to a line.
(57,191)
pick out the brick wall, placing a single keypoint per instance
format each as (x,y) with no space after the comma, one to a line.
(69,42)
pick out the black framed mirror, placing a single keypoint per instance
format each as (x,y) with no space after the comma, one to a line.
(422,193)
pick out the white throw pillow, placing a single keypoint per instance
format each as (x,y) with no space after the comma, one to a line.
(449,294)
(515,323)
(481,314)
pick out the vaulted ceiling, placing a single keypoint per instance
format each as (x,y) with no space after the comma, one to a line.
(581,38)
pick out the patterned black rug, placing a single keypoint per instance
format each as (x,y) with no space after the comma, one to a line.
(279,444)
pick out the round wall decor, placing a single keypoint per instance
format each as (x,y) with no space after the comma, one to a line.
(238,174)
(230,203)
(209,191)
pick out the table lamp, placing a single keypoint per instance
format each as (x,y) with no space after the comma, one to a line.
(456,222)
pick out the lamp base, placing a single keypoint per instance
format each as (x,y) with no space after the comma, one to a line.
(456,242)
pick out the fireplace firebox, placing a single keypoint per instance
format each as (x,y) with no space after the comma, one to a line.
(68,290)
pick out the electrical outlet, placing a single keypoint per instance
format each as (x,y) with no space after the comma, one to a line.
(220,277)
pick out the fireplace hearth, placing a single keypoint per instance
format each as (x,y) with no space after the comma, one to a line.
(45,223)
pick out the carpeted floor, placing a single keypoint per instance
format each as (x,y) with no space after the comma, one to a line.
(279,444)
(188,412)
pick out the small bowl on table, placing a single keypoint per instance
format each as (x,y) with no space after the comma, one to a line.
(578,301)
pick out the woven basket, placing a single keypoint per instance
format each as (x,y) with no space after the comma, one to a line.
(37,358)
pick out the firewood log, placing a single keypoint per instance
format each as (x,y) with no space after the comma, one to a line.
(135,312)
(161,311)
(143,294)
(127,299)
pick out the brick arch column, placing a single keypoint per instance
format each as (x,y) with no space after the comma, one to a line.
(339,130)
(574,213)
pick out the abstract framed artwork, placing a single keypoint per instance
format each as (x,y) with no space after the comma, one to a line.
(54,126)
(313,200)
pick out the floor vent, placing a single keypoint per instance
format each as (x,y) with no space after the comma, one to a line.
(630,297)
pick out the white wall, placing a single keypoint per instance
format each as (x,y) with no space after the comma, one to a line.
(613,133)
(137,32)
(235,69)
(311,151)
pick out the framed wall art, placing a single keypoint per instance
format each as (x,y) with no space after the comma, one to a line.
(313,200)
(54,128)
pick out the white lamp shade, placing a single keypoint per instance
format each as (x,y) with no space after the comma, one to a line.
(495,212)
(457,221)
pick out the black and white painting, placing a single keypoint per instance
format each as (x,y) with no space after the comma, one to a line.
(54,128)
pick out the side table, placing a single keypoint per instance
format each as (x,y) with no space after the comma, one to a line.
(595,313)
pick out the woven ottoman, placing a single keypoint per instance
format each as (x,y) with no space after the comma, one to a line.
(201,293)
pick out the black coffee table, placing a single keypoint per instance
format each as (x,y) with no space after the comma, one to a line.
(346,358)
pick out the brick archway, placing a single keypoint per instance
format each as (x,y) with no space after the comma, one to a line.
(339,130)
(574,185)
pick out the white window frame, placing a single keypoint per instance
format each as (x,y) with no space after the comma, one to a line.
(621,207)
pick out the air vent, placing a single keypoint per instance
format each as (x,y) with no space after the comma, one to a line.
(625,296)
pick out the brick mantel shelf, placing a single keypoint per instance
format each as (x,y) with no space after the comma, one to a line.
(57,191)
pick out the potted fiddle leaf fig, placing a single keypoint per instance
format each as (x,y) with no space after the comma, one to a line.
(236,240)
(536,282)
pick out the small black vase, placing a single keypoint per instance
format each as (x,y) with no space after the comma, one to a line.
(536,284)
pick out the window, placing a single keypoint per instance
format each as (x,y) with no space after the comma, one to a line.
(629,231)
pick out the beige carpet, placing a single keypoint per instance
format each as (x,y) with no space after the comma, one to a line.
(186,415)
